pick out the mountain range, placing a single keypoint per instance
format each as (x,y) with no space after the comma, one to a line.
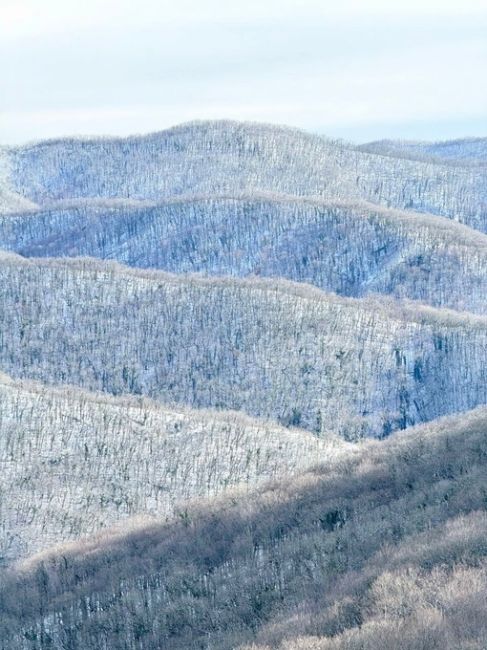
(243,392)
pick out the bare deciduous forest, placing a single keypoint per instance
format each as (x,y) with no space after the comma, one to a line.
(243,393)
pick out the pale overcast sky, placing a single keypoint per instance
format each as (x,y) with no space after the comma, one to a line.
(358,69)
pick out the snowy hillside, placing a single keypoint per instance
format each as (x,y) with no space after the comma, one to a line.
(351,248)
(10,200)
(466,150)
(383,549)
(234,158)
(268,347)
(76,462)
(226,351)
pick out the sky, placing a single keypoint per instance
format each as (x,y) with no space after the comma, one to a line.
(355,69)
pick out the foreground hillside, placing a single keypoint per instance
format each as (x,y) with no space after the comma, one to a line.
(383,549)
(75,462)
(349,248)
(233,158)
(270,348)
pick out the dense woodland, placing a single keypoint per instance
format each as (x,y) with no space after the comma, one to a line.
(243,392)
(386,548)
(352,249)
(270,348)
(75,462)
(233,158)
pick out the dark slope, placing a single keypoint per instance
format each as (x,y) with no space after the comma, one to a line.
(383,548)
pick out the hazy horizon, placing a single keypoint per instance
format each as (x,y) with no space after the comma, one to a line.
(421,132)
(359,71)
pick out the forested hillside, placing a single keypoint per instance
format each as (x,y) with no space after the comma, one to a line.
(270,348)
(383,549)
(75,462)
(234,158)
(243,392)
(353,249)
(464,150)
(9,198)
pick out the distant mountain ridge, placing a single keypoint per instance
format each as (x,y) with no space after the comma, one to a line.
(235,158)
(462,150)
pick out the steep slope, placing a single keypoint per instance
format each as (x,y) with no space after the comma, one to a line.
(464,150)
(350,248)
(76,462)
(385,549)
(233,158)
(270,348)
